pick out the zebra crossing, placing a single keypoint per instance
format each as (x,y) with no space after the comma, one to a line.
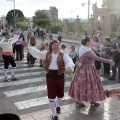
(33,83)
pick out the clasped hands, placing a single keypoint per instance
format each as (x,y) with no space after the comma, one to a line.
(69,70)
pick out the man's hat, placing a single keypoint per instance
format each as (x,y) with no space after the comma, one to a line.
(55,41)
(5,33)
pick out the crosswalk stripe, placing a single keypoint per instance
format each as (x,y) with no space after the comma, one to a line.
(29,90)
(44,100)
(28,74)
(23,69)
(5,84)
(40,88)
(108,87)
(23,65)
(36,102)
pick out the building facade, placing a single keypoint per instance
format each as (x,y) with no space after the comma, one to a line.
(2,21)
(107,18)
(52,13)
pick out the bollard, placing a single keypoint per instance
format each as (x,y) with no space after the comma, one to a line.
(9,116)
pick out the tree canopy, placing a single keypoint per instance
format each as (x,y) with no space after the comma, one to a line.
(18,14)
(40,14)
(42,22)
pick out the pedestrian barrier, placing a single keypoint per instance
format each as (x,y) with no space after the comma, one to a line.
(9,116)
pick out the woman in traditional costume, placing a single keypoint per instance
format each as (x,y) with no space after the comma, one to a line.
(86,84)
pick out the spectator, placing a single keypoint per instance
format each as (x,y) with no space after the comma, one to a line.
(64,49)
(106,53)
(59,35)
(95,42)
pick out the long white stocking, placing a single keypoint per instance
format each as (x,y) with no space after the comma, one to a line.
(58,101)
(13,71)
(52,106)
(5,73)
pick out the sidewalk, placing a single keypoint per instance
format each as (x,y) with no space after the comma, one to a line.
(71,41)
(63,40)
(108,110)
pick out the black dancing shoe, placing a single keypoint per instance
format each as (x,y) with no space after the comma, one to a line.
(107,93)
(14,78)
(58,109)
(41,66)
(6,80)
(54,118)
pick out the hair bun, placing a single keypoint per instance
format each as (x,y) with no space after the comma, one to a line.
(84,41)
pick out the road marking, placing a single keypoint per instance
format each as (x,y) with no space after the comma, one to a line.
(19,66)
(108,87)
(23,69)
(36,102)
(43,87)
(28,90)
(5,84)
(44,100)
(26,73)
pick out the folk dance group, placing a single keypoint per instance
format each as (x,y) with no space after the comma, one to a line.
(86,84)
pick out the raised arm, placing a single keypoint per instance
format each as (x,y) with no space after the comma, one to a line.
(37,53)
(91,55)
(14,39)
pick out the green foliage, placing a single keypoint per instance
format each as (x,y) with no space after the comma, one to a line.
(40,14)
(41,19)
(10,16)
(54,26)
(23,25)
(42,22)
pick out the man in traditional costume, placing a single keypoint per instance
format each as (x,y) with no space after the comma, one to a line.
(55,65)
(6,45)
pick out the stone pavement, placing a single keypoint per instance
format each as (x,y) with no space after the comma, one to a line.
(71,41)
(108,110)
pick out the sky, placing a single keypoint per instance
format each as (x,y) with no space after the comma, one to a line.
(66,8)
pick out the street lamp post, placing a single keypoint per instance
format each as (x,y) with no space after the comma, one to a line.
(88,12)
(71,19)
(88,9)
(83,4)
(14,12)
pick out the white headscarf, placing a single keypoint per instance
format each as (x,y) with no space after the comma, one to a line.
(83,49)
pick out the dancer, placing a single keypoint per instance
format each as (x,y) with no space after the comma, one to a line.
(6,45)
(55,65)
(86,84)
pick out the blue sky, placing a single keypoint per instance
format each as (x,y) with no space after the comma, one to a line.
(28,7)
